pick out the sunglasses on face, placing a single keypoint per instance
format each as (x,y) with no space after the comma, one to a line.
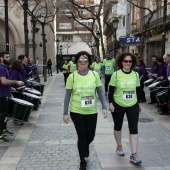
(127,61)
(85,60)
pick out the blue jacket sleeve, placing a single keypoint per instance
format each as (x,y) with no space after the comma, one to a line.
(103,70)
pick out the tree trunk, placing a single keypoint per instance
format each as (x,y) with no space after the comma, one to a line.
(33,41)
(101,33)
(44,53)
(25,5)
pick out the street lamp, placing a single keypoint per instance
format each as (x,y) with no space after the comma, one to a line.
(57,57)
(6,25)
(68,46)
(115,27)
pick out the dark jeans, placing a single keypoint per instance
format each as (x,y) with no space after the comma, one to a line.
(141,94)
(65,77)
(85,126)
(107,81)
(132,114)
(4,103)
(49,71)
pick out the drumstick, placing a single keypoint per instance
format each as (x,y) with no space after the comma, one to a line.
(21,87)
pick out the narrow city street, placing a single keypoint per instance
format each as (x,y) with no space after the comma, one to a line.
(46,143)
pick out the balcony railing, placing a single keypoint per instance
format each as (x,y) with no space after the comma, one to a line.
(136,26)
(157,17)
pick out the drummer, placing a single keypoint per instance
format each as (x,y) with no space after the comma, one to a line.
(5,93)
(26,68)
(162,74)
(15,74)
(153,74)
(166,59)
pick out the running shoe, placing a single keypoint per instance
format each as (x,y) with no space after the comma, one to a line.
(134,159)
(119,151)
(6,132)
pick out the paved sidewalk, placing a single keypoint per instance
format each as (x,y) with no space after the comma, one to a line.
(46,143)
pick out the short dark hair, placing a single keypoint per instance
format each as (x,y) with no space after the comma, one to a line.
(80,54)
(159,59)
(154,56)
(121,57)
(21,57)
(3,53)
(17,64)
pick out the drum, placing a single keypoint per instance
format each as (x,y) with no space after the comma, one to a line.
(148,82)
(33,91)
(17,94)
(39,87)
(153,86)
(35,100)
(20,109)
(161,97)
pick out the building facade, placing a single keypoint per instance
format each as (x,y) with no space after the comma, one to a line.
(16,35)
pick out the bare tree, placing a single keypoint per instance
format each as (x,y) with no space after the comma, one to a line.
(94,14)
(43,11)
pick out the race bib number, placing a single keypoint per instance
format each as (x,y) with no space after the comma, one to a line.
(108,67)
(128,95)
(87,101)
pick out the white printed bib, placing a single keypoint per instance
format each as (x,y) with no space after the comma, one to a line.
(87,101)
(128,95)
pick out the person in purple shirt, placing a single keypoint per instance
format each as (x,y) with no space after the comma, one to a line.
(166,59)
(154,75)
(5,93)
(143,75)
(162,74)
(26,68)
(15,72)
(154,67)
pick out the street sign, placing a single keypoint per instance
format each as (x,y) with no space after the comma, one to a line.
(130,40)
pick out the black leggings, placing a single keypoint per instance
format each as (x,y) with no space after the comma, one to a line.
(85,126)
(4,103)
(132,114)
(107,81)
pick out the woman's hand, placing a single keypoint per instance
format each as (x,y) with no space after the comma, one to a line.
(111,107)
(65,118)
(104,112)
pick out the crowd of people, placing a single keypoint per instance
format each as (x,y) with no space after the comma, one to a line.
(12,76)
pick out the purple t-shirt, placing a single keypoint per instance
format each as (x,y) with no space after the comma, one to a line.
(5,90)
(15,75)
(168,70)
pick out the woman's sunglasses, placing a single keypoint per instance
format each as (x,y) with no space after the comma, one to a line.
(127,61)
(85,60)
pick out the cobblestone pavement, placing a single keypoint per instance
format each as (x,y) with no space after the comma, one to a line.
(46,143)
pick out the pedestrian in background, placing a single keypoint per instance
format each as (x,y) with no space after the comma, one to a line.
(65,71)
(97,66)
(108,70)
(123,88)
(82,86)
(49,64)
(72,67)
